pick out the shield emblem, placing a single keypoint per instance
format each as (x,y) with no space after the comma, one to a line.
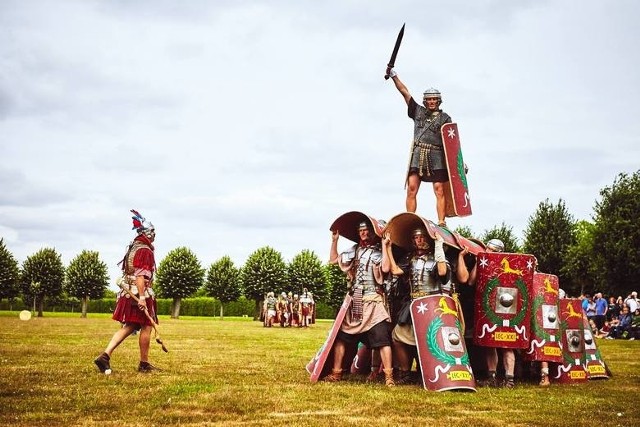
(545,325)
(458,202)
(502,315)
(442,354)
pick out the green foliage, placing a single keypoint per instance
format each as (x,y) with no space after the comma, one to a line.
(504,233)
(223,280)
(86,276)
(550,233)
(179,274)
(617,233)
(582,263)
(465,231)
(9,274)
(42,276)
(337,284)
(264,271)
(305,271)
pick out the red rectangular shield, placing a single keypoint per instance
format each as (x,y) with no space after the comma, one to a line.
(316,366)
(457,195)
(442,354)
(503,288)
(544,345)
(572,333)
(596,369)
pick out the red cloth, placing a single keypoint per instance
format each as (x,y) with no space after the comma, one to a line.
(143,258)
(127,311)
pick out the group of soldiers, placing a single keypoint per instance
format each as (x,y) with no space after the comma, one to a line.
(418,295)
(289,309)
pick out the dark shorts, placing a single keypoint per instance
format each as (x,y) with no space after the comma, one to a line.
(599,320)
(376,337)
(438,175)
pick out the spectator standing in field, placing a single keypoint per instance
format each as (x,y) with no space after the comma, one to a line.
(601,311)
(613,311)
(632,302)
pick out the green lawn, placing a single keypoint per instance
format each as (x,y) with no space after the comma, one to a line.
(235,372)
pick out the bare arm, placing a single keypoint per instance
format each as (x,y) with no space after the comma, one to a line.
(462,273)
(401,87)
(388,261)
(333,252)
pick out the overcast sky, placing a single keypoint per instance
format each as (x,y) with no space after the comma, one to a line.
(233,125)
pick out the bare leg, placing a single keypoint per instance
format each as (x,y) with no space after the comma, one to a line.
(144,341)
(401,356)
(492,360)
(118,337)
(338,355)
(413,185)
(438,190)
(385,356)
(509,362)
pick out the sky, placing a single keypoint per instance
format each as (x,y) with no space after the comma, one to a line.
(234,125)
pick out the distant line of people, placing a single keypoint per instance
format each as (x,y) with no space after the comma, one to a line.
(288,310)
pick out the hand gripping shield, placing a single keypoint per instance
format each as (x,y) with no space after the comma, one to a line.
(544,345)
(442,354)
(572,369)
(503,288)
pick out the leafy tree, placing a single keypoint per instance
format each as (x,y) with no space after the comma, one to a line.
(549,234)
(617,233)
(582,265)
(465,231)
(504,233)
(263,272)
(86,278)
(305,271)
(179,275)
(223,282)
(9,274)
(42,276)
(337,284)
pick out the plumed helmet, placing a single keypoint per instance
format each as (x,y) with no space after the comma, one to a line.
(495,245)
(432,93)
(141,224)
(284,294)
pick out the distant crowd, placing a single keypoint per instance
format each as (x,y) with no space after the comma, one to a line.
(613,318)
(288,310)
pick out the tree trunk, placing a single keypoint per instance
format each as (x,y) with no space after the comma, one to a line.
(221,311)
(258,310)
(85,304)
(41,307)
(175,312)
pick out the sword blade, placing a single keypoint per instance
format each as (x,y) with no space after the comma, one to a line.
(394,54)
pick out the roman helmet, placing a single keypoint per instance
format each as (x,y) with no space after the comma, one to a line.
(495,245)
(142,225)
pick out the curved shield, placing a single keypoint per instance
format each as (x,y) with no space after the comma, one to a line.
(442,354)
(317,366)
(474,246)
(361,363)
(571,370)
(347,225)
(595,366)
(503,287)
(544,345)
(402,225)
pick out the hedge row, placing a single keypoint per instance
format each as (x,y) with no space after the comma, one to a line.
(199,306)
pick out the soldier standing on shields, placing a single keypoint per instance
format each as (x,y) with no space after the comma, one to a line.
(427,161)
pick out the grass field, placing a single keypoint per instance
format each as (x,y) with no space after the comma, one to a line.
(235,372)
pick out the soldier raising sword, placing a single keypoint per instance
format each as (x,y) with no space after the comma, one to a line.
(427,162)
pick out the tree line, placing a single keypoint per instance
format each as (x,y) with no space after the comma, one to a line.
(587,256)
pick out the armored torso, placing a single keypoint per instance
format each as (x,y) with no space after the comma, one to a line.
(363,259)
(423,277)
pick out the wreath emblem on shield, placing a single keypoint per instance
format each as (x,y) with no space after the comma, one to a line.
(490,312)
